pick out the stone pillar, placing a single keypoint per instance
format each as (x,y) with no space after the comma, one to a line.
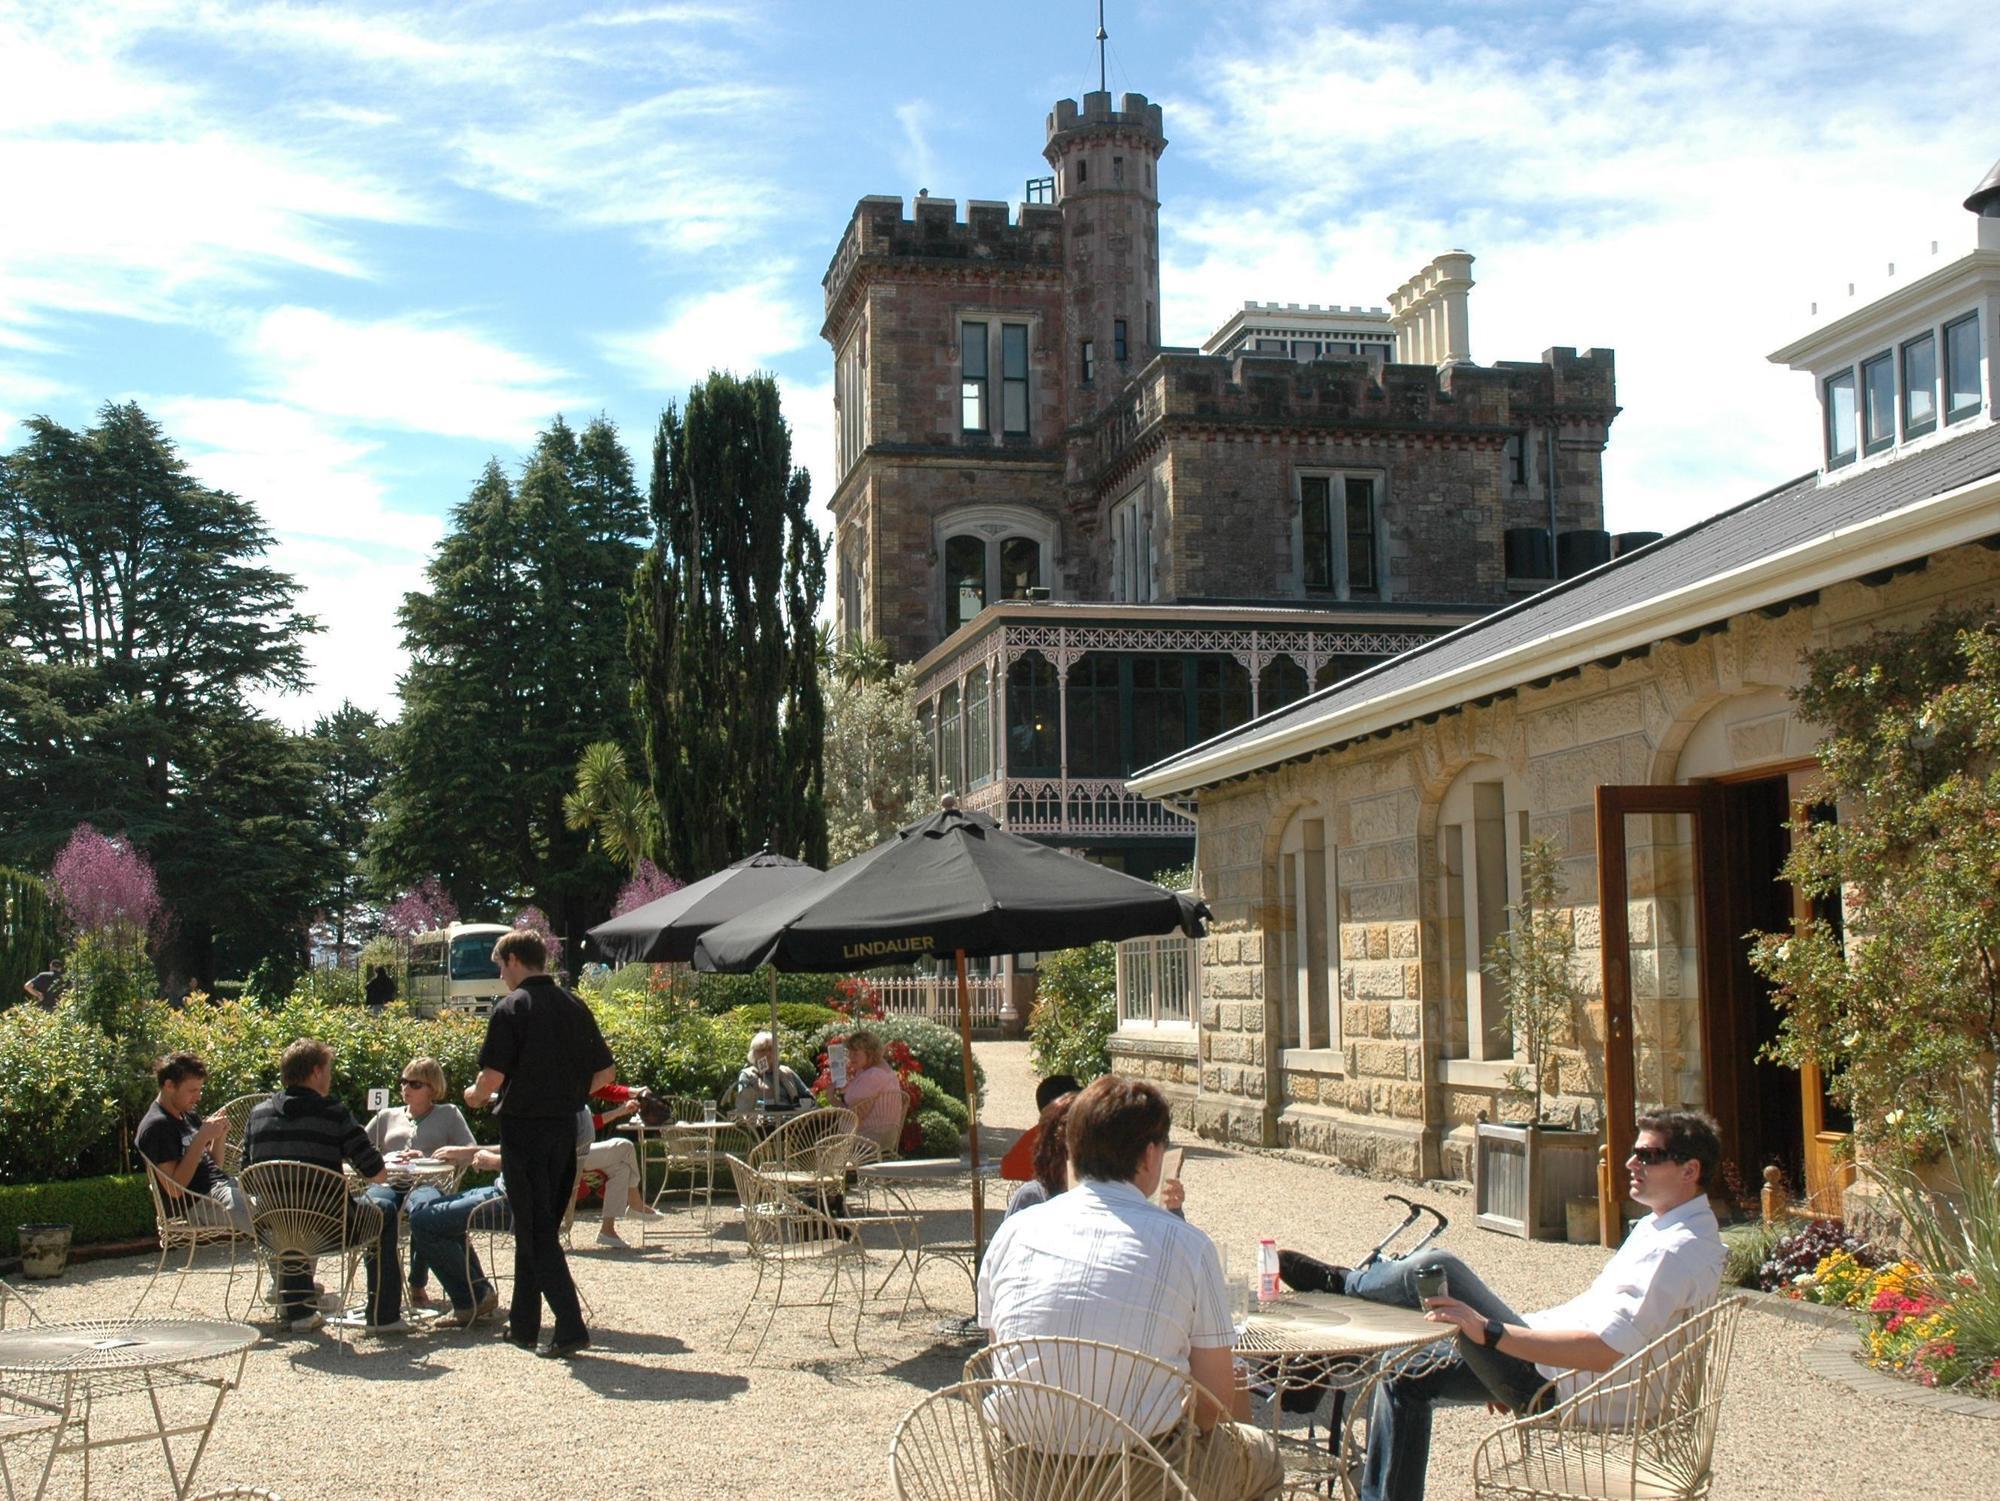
(1452,282)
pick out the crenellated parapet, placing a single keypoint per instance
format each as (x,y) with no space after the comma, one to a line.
(1136,118)
(933,233)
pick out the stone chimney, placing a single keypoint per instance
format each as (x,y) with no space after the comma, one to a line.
(1429,314)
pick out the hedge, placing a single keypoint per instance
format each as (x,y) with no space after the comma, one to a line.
(96,1209)
(59,1089)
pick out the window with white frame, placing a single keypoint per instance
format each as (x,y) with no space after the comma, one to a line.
(1961,368)
(993,347)
(1157,981)
(1481,828)
(1338,535)
(1132,551)
(850,396)
(989,554)
(1896,394)
(1308,934)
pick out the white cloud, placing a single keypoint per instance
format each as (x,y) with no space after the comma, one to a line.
(1679,203)
(358,656)
(419,374)
(740,329)
(915,160)
(809,410)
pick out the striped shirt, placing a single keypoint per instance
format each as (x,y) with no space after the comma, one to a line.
(302,1125)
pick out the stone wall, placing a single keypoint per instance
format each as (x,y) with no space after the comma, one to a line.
(1385,1100)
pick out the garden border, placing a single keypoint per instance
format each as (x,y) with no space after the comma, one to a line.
(1826,1358)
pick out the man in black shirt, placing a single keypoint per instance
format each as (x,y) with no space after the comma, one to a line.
(543,1058)
(43,988)
(381,989)
(184,1147)
(304,1125)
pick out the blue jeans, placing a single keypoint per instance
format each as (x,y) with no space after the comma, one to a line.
(1399,1424)
(438,1241)
(385,1272)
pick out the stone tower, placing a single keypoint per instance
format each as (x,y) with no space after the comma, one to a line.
(1106,164)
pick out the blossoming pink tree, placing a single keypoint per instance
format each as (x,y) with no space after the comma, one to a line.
(107,887)
(648,884)
(533,917)
(424,906)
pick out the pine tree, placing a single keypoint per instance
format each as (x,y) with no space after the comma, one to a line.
(517,663)
(350,748)
(721,634)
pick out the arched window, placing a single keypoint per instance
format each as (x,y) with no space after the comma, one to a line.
(1482,824)
(1033,718)
(1308,934)
(1281,682)
(964,580)
(989,554)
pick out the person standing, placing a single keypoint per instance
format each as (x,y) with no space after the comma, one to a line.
(380,990)
(44,987)
(543,1058)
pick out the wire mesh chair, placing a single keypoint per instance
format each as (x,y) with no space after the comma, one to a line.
(237,1113)
(32,1407)
(302,1212)
(186,1220)
(1022,1441)
(10,1297)
(792,1157)
(1159,1400)
(1643,1431)
(785,1233)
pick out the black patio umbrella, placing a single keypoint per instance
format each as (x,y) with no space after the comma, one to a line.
(950,886)
(665,930)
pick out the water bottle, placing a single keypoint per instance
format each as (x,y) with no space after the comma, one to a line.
(1267,1270)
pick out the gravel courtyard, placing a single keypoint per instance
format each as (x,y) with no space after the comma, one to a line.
(659,1409)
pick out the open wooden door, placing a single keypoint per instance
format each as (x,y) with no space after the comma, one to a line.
(1663,942)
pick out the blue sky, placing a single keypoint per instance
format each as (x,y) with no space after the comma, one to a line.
(345,252)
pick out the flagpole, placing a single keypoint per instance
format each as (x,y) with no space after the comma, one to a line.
(971,1114)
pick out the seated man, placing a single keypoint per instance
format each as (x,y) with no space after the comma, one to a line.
(1669,1267)
(438,1242)
(303,1125)
(184,1147)
(1101,1263)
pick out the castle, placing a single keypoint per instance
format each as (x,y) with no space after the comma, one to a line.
(1103,550)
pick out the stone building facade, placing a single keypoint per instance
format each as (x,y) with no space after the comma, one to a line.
(1362,849)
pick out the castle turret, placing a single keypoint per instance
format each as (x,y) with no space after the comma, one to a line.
(1106,163)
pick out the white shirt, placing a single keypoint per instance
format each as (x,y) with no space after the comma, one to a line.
(1670,1266)
(1101,1263)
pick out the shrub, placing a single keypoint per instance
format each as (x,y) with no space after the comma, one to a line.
(941,1137)
(1798,1254)
(1077,1012)
(716,994)
(793,1016)
(934,1097)
(96,1209)
(29,932)
(936,1049)
(1746,1248)
(59,1097)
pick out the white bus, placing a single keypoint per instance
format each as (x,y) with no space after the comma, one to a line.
(452,968)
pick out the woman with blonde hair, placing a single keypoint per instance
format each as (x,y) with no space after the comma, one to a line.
(419,1127)
(873,1091)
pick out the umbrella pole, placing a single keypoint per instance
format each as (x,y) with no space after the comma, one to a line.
(777,1053)
(972,1114)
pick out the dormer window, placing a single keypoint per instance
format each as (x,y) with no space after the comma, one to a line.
(1840,419)
(1878,403)
(1961,368)
(1920,386)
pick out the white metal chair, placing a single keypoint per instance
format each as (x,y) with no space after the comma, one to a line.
(784,1233)
(1157,1399)
(32,1408)
(302,1212)
(186,1220)
(10,1297)
(1023,1441)
(1643,1431)
(237,1113)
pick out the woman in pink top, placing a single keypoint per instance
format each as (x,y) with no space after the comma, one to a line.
(873,1092)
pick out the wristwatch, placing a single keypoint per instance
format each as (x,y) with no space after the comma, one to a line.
(1495,1332)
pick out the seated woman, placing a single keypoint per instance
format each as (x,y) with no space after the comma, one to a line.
(618,1159)
(873,1091)
(763,1080)
(422,1126)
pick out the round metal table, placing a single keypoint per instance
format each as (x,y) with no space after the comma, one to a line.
(681,1144)
(1324,1339)
(75,1366)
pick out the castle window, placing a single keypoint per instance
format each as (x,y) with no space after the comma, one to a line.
(1878,403)
(1221,695)
(1920,386)
(1840,419)
(1118,340)
(1092,706)
(1517,459)
(964,580)
(1117,169)
(972,377)
(1034,717)
(1014,378)
(1082,170)
(1132,550)
(1282,682)
(1338,534)
(951,766)
(850,396)
(927,751)
(1961,368)
(978,729)
(1479,849)
(1308,934)
(1089,361)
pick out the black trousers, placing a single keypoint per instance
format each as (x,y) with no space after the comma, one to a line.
(538,1159)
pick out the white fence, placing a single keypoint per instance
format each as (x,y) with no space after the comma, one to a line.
(936,997)
(1158,980)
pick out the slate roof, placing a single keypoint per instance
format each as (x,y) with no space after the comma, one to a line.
(1778,519)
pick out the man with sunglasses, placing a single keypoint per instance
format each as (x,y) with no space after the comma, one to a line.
(1670,1266)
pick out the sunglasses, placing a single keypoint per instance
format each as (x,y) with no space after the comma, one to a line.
(1654,1156)
(416,1084)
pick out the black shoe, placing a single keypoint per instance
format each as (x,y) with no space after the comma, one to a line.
(1308,1274)
(525,1342)
(562,1349)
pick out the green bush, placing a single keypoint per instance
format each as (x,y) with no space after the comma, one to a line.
(936,1047)
(96,1209)
(717,994)
(941,1137)
(1747,1247)
(1076,1012)
(936,1098)
(59,1096)
(793,1016)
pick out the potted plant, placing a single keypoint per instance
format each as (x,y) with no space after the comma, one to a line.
(1528,1172)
